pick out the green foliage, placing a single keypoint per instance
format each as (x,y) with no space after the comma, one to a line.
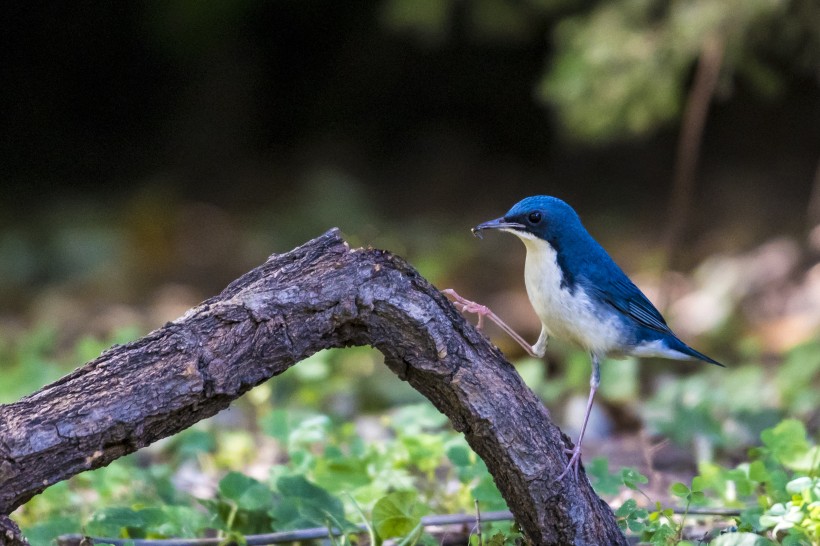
(242,504)
(330,473)
(135,503)
(788,445)
(657,527)
(615,72)
(621,68)
(799,370)
(316,385)
(660,526)
(399,515)
(154,523)
(779,489)
(302,504)
(333,471)
(721,409)
(630,517)
(609,484)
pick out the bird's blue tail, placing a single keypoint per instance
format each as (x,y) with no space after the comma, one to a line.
(682,347)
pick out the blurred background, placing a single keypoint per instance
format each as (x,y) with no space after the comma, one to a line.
(151,152)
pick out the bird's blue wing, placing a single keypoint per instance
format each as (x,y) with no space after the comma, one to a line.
(604,280)
(623,295)
(619,292)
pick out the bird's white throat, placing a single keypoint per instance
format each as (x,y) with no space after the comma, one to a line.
(566,313)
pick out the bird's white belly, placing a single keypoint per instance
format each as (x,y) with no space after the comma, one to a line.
(565,314)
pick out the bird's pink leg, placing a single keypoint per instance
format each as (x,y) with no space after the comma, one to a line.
(466,306)
(575,460)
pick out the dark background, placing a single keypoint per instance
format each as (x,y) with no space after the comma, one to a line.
(135,134)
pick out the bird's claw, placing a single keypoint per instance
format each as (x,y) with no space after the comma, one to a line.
(573,463)
(465,305)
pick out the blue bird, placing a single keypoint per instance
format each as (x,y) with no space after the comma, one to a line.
(580,295)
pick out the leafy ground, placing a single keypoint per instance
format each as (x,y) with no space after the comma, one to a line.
(300,452)
(338,440)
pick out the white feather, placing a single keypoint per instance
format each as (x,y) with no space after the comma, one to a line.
(567,315)
(659,348)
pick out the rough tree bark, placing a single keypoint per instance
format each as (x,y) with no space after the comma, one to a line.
(320,295)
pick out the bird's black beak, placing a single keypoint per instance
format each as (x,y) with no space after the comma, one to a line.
(498,223)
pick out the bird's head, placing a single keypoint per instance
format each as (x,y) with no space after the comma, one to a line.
(538,217)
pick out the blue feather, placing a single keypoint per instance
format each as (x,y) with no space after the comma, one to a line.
(585,264)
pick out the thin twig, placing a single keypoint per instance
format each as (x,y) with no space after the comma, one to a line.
(478,524)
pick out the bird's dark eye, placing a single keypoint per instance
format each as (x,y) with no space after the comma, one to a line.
(534,217)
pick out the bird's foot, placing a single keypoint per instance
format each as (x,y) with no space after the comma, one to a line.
(466,306)
(572,465)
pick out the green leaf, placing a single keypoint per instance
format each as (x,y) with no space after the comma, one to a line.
(180,521)
(276,424)
(425,450)
(193,442)
(797,538)
(304,504)
(397,514)
(758,472)
(796,375)
(468,465)
(632,478)
(116,522)
(697,497)
(787,441)
(343,472)
(602,480)
(636,526)
(416,418)
(680,490)
(619,380)
(498,539)
(459,455)
(45,531)
(247,493)
(624,510)
(660,536)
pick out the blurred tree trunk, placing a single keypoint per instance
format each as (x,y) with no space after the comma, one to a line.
(689,142)
(320,295)
(813,211)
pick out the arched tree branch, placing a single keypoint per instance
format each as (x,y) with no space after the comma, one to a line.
(320,295)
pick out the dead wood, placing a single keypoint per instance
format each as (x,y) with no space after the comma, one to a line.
(320,295)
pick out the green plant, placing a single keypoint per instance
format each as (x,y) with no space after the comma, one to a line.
(333,467)
(778,490)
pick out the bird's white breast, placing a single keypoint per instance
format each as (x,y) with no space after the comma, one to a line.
(566,314)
